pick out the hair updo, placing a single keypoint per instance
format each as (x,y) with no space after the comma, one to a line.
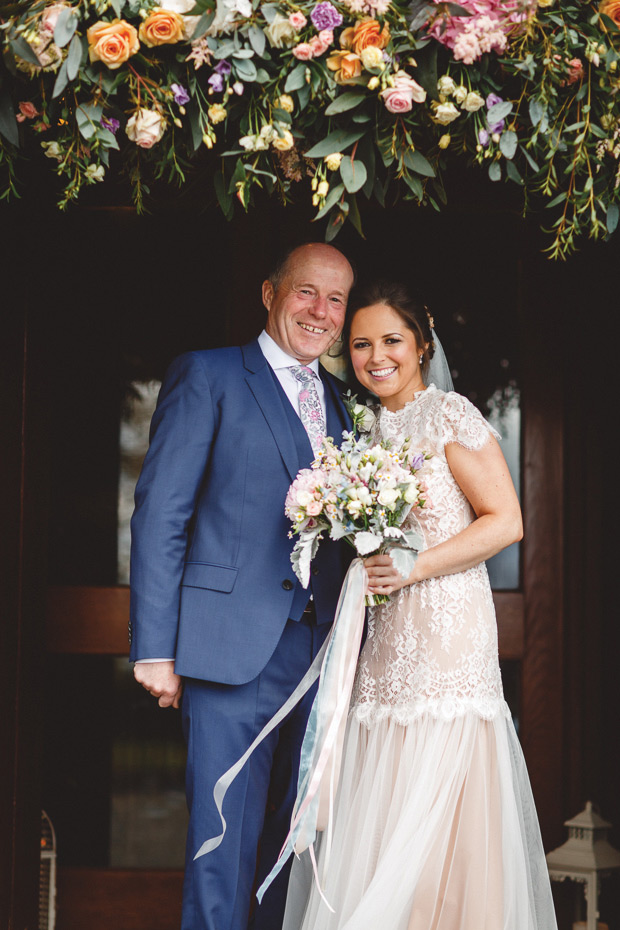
(397,297)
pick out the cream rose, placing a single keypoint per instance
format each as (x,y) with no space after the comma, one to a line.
(445,113)
(112,43)
(281,32)
(145,128)
(473,102)
(460,93)
(446,85)
(372,57)
(285,142)
(388,497)
(162,27)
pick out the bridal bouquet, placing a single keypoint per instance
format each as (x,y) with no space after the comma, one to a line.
(360,492)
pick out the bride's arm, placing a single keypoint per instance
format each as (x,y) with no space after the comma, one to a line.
(484,478)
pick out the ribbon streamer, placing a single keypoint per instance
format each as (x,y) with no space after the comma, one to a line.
(321,750)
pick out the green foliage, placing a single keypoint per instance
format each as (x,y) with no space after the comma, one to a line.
(383,107)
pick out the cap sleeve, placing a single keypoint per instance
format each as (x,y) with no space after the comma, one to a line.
(461,422)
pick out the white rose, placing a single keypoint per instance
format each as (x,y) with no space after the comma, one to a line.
(473,102)
(248,143)
(95,172)
(303,498)
(354,507)
(411,494)
(281,32)
(364,495)
(388,497)
(446,85)
(445,113)
(145,128)
(460,93)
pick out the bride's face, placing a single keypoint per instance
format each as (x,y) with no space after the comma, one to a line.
(385,355)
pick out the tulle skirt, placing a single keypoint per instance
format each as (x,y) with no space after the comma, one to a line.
(434,828)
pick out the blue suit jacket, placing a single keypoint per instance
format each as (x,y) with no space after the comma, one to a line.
(211,578)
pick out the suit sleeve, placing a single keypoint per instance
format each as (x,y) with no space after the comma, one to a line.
(181,436)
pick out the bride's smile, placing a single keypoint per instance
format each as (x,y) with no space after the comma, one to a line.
(385,355)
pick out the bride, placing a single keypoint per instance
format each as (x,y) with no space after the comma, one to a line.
(434,825)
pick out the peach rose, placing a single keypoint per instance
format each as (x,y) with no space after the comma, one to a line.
(297,19)
(112,43)
(318,46)
(369,32)
(162,27)
(145,128)
(611,8)
(346,65)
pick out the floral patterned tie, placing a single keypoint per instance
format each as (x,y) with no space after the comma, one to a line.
(310,409)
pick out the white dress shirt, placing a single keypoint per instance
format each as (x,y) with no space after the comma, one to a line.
(281,363)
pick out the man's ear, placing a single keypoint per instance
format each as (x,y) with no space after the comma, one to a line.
(267,294)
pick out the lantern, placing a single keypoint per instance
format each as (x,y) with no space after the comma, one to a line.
(586,857)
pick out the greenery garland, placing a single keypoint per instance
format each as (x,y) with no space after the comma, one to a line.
(363,98)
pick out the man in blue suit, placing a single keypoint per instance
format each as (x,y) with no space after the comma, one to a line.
(217,614)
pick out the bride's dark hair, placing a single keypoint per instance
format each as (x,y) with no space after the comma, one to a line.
(412,311)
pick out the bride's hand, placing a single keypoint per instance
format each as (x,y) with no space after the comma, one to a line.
(382,576)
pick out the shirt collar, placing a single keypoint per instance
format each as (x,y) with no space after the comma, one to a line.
(278,358)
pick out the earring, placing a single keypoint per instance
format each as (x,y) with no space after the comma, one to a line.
(421,360)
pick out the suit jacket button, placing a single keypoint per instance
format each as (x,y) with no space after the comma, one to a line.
(287,584)
(315,570)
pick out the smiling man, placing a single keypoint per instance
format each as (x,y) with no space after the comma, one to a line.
(218,619)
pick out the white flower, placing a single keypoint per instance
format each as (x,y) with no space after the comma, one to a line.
(473,102)
(280,32)
(304,498)
(446,85)
(411,494)
(95,172)
(248,143)
(354,507)
(388,497)
(145,127)
(445,113)
(52,150)
(460,93)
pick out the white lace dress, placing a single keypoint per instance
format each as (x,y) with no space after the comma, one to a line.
(434,826)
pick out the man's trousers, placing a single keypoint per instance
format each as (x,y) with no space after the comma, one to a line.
(220,723)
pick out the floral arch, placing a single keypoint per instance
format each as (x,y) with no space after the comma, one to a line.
(339,101)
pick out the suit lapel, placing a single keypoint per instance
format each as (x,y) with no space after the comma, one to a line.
(261,382)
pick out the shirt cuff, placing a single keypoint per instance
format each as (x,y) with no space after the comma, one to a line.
(142,661)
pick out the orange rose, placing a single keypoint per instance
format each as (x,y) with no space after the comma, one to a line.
(369,32)
(112,43)
(162,27)
(346,37)
(346,65)
(611,8)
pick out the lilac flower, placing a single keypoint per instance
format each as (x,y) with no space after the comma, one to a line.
(325,16)
(483,137)
(108,122)
(217,82)
(223,67)
(498,127)
(492,99)
(180,94)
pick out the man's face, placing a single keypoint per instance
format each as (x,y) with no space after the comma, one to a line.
(306,313)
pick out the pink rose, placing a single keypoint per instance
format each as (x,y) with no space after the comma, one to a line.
(145,128)
(397,100)
(27,110)
(297,20)
(303,51)
(50,17)
(314,508)
(318,47)
(326,36)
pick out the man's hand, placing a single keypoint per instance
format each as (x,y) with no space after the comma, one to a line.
(160,680)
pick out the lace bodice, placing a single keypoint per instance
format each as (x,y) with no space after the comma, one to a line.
(433,647)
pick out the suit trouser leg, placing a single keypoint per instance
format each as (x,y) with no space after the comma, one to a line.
(220,723)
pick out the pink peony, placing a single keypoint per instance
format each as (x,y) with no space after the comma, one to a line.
(303,51)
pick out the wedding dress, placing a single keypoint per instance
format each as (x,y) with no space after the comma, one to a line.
(434,824)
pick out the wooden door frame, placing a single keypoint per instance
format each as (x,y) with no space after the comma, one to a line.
(22,604)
